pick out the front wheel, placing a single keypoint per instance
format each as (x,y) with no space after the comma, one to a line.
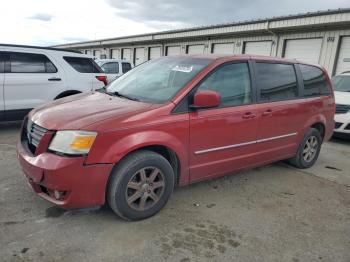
(309,150)
(140,185)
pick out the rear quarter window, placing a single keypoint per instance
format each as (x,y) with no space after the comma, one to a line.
(315,83)
(82,64)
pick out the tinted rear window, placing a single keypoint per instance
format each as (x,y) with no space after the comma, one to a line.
(126,67)
(315,82)
(30,63)
(276,81)
(83,64)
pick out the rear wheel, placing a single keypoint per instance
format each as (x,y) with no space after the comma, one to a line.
(309,150)
(140,185)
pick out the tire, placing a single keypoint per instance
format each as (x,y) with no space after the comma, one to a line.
(140,185)
(306,155)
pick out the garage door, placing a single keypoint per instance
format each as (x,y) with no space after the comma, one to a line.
(139,55)
(258,48)
(195,49)
(307,50)
(154,52)
(343,63)
(126,54)
(97,53)
(173,50)
(114,53)
(223,48)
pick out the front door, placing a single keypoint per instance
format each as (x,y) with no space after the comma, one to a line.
(223,139)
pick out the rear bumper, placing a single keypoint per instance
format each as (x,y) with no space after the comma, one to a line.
(83,185)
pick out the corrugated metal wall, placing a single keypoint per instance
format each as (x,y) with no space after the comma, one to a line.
(328,56)
(276,31)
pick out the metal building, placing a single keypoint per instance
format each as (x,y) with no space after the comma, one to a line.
(320,37)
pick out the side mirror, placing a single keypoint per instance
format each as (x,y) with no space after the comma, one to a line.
(205,99)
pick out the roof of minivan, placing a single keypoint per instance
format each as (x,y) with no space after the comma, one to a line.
(219,57)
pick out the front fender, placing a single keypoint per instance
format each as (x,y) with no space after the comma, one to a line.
(111,148)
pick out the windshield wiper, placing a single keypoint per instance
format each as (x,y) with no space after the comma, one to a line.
(116,93)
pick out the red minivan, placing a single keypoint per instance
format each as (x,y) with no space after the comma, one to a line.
(174,121)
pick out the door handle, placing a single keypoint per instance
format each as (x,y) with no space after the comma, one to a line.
(248,115)
(54,79)
(268,112)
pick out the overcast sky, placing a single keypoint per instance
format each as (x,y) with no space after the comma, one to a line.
(49,22)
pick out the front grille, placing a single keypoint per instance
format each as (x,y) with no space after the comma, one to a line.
(337,125)
(32,135)
(342,109)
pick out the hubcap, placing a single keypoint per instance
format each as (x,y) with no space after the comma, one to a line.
(310,149)
(145,188)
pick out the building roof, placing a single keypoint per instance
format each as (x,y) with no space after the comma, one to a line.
(216,26)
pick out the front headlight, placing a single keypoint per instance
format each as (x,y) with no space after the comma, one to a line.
(72,142)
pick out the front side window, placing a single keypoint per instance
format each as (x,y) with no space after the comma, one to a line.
(232,82)
(341,83)
(82,64)
(30,63)
(276,82)
(110,68)
(315,82)
(158,80)
(126,67)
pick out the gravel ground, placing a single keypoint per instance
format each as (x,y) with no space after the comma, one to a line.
(272,213)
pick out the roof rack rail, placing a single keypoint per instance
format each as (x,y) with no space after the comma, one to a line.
(41,47)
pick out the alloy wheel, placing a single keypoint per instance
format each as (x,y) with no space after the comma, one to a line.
(145,188)
(310,149)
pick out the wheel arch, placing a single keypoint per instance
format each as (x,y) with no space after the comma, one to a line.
(67,93)
(159,142)
(318,122)
(321,128)
(166,152)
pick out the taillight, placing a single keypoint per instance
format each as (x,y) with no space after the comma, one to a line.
(103,79)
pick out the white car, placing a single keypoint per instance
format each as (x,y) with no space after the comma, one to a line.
(341,85)
(31,76)
(114,68)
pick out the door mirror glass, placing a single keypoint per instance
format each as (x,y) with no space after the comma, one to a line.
(205,99)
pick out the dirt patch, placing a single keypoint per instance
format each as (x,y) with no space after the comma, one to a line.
(202,239)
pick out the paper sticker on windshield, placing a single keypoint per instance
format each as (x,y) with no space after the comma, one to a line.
(184,69)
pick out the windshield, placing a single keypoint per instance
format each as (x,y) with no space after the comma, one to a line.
(157,81)
(341,83)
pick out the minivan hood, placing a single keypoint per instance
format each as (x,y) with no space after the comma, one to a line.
(342,98)
(78,111)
